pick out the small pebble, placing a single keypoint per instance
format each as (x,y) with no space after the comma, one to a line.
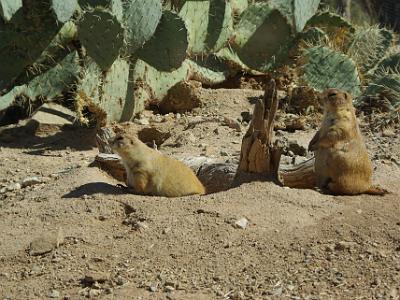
(241,223)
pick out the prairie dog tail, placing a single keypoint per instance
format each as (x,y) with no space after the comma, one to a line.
(376,191)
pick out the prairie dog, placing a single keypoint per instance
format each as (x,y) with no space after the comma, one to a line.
(342,165)
(150,172)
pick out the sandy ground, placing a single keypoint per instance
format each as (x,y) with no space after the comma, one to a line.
(298,244)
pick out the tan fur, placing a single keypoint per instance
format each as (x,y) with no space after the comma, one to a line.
(342,164)
(150,172)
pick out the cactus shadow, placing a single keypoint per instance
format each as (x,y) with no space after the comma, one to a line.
(66,137)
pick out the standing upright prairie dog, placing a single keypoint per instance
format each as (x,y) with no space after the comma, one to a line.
(342,165)
(151,173)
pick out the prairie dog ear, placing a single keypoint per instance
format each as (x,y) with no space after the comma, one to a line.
(348,96)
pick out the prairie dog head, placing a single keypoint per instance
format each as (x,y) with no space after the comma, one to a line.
(123,143)
(334,98)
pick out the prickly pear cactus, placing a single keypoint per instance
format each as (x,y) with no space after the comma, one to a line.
(329,20)
(369,45)
(298,12)
(8,8)
(152,84)
(114,6)
(114,90)
(64,9)
(303,11)
(262,37)
(161,51)
(102,35)
(325,68)
(58,48)
(390,64)
(238,7)
(26,37)
(8,99)
(55,81)
(90,80)
(141,19)
(106,95)
(339,30)
(386,87)
(209,24)
(47,86)
(313,36)
(208,72)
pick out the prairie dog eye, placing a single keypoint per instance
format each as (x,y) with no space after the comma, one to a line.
(332,94)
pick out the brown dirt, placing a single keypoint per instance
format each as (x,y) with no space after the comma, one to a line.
(299,244)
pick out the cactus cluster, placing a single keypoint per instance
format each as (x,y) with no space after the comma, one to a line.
(113,56)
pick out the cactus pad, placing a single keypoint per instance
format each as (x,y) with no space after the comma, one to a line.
(102,35)
(387,87)
(152,84)
(141,19)
(161,51)
(369,45)
(238,7)
(262,37)
(314,35)
(26,38)
(90,81)
(325,68)
(56,80)
(64,9)
(207,72)
(114,90)
(297,12)
(390,64)
(8,8)
(8,99)
(209,24)
(303,11)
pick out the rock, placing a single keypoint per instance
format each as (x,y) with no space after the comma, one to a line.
(224,153)
(241,223)
(53,294)
(394,293)
(169,288)
(290,122)
(94,293)
(51,116)
(142,121)
(185,138)
(233,124)
(158,135)
(182,97)
(389,133)
(11,187)
(166,230)
(92,277)
(197,162)
(119,280)
(112,164)
(341,246)
(46,243)
(296,149)
(217,177)
(153,289)
(140,226)
(29,181)
(239,295)
(246,116)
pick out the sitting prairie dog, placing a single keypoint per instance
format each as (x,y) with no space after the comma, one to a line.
(342,165)
(150,172)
